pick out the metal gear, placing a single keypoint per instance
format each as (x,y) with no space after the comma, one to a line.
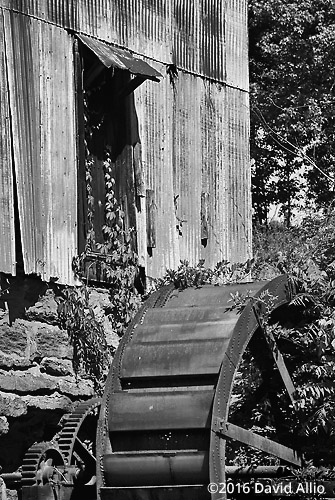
(37,462)
(69,434)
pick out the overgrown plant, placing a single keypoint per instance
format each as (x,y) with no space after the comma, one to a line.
(223,273)
(118,264)
(86,335)
(308,256)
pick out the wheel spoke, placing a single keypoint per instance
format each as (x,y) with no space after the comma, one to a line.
(84,453)
(233,431)
(278,358)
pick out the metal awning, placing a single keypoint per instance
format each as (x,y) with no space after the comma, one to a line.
(119,58)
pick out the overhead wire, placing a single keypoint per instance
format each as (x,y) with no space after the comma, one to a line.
(282,140)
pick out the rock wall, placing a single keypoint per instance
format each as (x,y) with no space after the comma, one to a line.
(37,382)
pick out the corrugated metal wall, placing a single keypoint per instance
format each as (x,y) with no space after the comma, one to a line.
(193,34)
(154,105)
(193,129)
(236,41)
(42,102)
(195,146)
(238,175)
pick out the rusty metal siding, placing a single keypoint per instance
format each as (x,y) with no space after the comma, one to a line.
(41,94)
(194,132)
(238,174)
(143,26)
(237,44)
(119,58)
(187,163)
(7,231)
(24,107)
(205,37)
(212,42)
(154,108)
(214,161)
(194,136)
(186,34)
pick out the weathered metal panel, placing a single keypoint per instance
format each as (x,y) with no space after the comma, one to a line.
(154,103)
(41,91)
(63,13)
(174,358)
(112,56)
(24,104)
(194,35)
(144,26)
(58,153)
(177,315)
(212,39)
(99,18)
(193,132)
(214,165)
(194,136)
(154,468)
(211,123)
(238,176)
(187,164)
(59,12)
(7,231)
(236,38)
(179,409)
(208,296)
(173,331)
(186,28)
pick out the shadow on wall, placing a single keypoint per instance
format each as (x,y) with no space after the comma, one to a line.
(19,293)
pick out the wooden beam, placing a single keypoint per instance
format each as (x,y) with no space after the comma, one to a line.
(232,431)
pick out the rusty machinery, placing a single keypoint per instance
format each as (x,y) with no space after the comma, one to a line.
(161,430)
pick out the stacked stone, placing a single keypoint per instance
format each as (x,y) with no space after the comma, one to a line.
(37,382)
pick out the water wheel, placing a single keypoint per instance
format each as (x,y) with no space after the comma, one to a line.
(163,423)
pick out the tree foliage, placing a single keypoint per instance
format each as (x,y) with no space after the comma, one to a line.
(292,76)
(307,334)
(304,333)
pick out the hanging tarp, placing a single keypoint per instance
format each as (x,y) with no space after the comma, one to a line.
(42,103)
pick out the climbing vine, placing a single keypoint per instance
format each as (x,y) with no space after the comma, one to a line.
(118,265)
(116,256)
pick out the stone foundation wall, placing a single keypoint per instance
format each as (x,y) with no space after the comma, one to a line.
(37,382)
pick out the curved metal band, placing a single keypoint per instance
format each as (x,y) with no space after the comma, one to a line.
(279,291)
